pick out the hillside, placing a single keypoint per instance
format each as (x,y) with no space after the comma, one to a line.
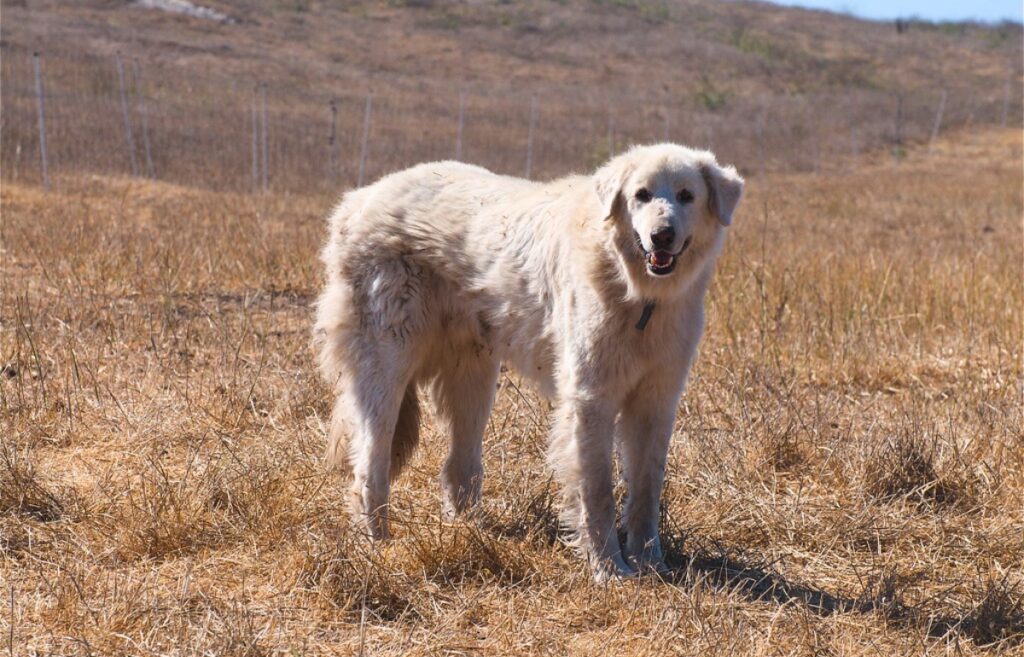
(648,49)
(767,86)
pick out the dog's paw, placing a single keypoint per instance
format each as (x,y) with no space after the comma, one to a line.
(646,558)
(649,564)
(613,569)
(654,567)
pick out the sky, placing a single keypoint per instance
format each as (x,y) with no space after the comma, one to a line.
(934,10)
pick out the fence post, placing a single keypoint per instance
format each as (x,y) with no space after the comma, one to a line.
(263,133)
(760,138)
(41,107)
(458,133)
(142,114)
(938,120)
(366,139)
(332,162)
(611,134)
(529,137)
(124,113)
(969,125)
(898,149)
(1006,103)
(255,145)
(897,153)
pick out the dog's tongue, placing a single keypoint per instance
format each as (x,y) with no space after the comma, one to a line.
(660,258)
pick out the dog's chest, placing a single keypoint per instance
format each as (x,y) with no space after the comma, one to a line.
(620,349)
(632,345)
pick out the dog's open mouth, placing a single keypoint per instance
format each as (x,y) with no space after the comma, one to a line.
(661,263)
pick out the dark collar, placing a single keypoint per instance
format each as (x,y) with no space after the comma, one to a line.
(645,316)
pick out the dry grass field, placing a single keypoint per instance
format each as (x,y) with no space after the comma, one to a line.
(846,475)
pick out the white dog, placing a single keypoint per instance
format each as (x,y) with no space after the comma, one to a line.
(591,286)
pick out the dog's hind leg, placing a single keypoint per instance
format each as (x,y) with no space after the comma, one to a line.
(407,430)
(375,399)
(463,393)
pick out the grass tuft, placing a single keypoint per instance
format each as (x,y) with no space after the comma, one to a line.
(904,465)
(461,552)
(350,579)
(999,616)
(23,493)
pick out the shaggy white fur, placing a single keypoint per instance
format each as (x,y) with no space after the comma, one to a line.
(591,286)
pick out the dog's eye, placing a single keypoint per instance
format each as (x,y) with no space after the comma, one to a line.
(684,196)
(643,195)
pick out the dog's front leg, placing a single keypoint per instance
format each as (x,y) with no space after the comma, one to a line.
(581,456)
(644,429)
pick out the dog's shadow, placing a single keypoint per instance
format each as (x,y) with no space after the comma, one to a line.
(691,563)
(757,583)
(716,567)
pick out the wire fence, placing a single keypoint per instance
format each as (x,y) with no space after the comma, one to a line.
(82,112)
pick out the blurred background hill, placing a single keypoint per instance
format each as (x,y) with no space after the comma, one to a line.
(302,95)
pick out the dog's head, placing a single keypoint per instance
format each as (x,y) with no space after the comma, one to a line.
(667,207)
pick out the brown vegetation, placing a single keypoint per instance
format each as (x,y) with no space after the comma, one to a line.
(847,474)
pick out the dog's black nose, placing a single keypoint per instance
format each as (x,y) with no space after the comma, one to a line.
(663,237)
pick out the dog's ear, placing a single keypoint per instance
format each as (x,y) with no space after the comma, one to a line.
(608,183)
(725,189)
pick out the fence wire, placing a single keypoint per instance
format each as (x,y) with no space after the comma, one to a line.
(108,115)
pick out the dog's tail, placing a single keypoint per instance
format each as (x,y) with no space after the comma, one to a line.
(407,431)
(336,456)
(406,437)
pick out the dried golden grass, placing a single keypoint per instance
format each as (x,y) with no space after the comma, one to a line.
(847,475)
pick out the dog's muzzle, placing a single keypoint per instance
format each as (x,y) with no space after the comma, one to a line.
(660,262)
